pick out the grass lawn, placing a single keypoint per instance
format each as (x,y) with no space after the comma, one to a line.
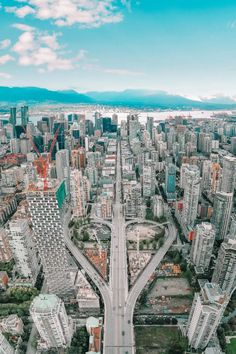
(231,348)
(159,340)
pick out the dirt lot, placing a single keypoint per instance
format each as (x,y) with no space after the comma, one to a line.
(170,287)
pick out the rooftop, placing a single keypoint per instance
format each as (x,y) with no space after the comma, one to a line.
(45,303)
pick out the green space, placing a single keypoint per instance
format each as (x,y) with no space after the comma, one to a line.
(159,340)
(17,301)
(80,342)
(231,348)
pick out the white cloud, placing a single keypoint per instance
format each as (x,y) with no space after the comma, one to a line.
(21,11)
(5,59)
(88,13)
(5,76)
(5,43)
(22,27)
(42,50)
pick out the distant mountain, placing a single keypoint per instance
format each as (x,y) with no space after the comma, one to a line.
(142,97)
(40,95)
(160,99)
(131,98)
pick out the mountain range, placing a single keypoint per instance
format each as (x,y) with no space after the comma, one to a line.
(132,98)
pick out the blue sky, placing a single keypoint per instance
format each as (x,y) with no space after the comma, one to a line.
(180,46)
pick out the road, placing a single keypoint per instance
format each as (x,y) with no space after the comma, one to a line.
(119,302)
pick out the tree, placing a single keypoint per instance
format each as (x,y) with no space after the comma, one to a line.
(161,242)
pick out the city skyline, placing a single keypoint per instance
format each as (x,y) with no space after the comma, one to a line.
(115,45)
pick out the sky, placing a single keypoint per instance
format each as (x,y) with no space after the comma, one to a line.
(185,47)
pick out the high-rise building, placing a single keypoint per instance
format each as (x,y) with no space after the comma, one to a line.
(183,169)
(191,195)
(207,310)
(133,200)
(157,206)
(133,126)
(5,347)
(23,247)
(228,174)
(225,268)
(202,246)
(50,318)
(221,213)
(233,145)
(24,115)
(206,175)
(12,119)
(148,180)
(48,213)
(5,249)
(63,167)
(150,125)
(61,134)
(170,182)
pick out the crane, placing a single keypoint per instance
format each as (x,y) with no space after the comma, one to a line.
(44,162)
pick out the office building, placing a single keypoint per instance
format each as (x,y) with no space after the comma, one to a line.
(191,195)
(12,119)
(50,219)
(61,134)
(170,182)
(225,268)
(149,126)
(63,167)
(51,320)
(202,246)
(207,310)
(221,213)
(24,115)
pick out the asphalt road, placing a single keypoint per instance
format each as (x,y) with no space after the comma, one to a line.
(119,302)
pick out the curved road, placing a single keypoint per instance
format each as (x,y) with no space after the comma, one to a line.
(118,301)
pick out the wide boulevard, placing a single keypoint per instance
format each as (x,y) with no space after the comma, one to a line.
(119,302)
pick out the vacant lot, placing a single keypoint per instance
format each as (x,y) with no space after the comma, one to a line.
(159,340)
(170,287)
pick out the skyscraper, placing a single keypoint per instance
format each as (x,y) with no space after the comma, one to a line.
(51,320)
(205,315)
(24,115)
(48,211)
(12,119)
(206,175)
(225,268)
(150,125)
(191,195)
(202,246)
(61,135)
(63,167)
(170,182)
(148,181)
(221,213)
(228,174)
